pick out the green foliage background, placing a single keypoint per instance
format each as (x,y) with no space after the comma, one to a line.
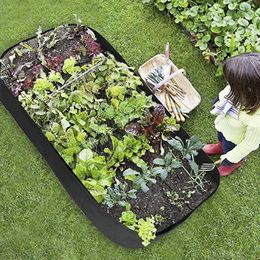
(38,220)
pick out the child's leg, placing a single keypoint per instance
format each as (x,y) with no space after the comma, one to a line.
(213,149)
(226,166)
(227,146)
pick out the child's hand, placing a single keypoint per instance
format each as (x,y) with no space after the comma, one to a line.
(218,162)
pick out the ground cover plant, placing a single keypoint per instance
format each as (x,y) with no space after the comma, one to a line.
(115,138)
(220,28)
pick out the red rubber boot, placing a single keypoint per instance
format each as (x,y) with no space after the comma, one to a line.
(227,170)
(212,149)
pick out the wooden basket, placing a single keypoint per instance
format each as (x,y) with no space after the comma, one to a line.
(191,98)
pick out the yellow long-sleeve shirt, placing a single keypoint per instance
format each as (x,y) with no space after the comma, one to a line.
(244,132)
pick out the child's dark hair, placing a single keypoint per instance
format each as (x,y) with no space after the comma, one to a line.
(243,75)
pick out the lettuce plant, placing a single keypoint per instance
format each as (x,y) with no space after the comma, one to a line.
(128,217)
(129,148)
(153,125)
(145,227)
(146,230)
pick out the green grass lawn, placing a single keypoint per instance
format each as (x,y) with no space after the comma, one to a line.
(38,220)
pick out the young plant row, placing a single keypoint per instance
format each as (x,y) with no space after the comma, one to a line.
(220,28)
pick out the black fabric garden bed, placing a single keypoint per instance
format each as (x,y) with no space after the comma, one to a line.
(168,202)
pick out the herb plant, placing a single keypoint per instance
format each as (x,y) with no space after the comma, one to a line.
(159,219)
(175,199)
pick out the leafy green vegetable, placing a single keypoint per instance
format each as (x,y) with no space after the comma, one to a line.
(116,92)
(146,230)
(130,148)
(145,227)
(140,180)
(118,195)
(43,84)
(144,180)
(92,170)
(129,109)
(70,66)
(56,77)
(189,149)
(166,165)
(128,217)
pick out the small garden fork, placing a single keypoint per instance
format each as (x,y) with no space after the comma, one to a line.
(208,167)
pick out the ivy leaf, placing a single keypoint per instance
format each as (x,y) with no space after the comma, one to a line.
(202,45)
(245,6)
(216,30)
(243,22)
(219,41)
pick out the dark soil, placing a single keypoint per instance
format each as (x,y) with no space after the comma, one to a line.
(64,47)
(156,202)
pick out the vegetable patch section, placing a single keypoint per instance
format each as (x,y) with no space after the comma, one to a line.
(106,137)
(220,29)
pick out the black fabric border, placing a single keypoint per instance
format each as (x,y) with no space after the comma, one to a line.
(109,226)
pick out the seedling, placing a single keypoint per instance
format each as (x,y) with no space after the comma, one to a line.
(175,199)
(118,195)
(167,165)
(141,180)
(158,219)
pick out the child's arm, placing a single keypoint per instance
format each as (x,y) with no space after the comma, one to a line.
(221,95)
(250,143)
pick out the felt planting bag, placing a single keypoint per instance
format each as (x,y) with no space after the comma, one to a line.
(110,143)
